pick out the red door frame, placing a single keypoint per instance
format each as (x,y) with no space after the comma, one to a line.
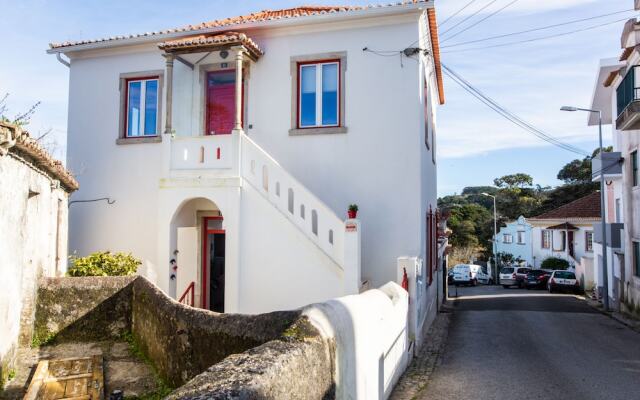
(206,100)
(205,234)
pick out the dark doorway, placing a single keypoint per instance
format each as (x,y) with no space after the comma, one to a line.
(213,268)
(570,243)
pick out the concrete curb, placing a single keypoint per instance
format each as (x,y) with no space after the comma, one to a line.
(615,315)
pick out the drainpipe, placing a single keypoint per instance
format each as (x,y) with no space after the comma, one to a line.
(62,60)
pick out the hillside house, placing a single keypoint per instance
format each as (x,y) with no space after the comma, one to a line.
(234,147)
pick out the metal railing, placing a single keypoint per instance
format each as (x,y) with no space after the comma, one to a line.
(188,297)
(628,91)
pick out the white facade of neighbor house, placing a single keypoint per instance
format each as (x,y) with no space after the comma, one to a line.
(268,198)
(571,245)
(516,239)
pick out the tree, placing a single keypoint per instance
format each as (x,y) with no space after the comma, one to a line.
(514,181)
(579,171)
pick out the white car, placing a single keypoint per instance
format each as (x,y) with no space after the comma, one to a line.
(469,274)
(563,281)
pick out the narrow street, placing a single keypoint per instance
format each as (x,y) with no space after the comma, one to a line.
(511,343)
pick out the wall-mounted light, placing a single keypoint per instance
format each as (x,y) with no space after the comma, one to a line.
(224,54)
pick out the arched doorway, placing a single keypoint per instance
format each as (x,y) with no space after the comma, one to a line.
(198,240)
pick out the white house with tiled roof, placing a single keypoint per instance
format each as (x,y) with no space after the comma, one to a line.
(234,147)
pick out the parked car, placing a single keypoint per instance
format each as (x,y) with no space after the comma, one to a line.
(450,277)
(510,276)
(565,281)
(537,278)
(469,274)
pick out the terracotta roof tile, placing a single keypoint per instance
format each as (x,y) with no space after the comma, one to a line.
(626,53)
(227,38)
(261,16)
(14,139)
(435,44)
(587,207)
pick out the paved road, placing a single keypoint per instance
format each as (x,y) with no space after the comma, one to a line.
(519,344)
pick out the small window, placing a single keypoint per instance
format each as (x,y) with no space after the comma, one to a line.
(521,237)
(142,107)
(314,222)
(507,238)
(588,242)
(636,258)
(546,239)
(634,168)
(319,94)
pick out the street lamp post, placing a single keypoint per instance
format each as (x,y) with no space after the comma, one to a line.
(605,275)
(495,236)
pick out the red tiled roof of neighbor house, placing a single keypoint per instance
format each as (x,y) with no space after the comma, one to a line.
(226,38)
(277,15)
(14,140)
(587,207)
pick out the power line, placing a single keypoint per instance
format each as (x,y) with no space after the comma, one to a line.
(537,29)
(457,12)
(470,16)
(513,118)
(536,39)
(481,21)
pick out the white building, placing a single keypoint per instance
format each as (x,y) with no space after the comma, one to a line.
(34,192)
(616,95)
(515,238)
(234,147)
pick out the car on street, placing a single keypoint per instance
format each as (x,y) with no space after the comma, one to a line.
(450,277)
(469,274)
(563,281)
(537,278)
(513,276)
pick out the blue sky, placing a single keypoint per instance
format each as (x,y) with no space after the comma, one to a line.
(475,144)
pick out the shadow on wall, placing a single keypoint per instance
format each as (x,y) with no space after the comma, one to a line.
(202,353)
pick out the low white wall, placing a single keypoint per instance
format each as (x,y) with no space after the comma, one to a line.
(371,336)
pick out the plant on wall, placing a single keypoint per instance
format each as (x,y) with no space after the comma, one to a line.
(104,263)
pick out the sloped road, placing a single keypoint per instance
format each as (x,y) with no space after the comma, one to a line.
(518,344)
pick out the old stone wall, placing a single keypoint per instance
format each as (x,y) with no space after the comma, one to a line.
(202,353)
(33,222)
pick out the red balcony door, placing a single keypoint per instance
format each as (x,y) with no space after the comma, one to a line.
(221,104)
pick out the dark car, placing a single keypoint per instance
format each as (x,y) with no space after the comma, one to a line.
(537,279)
(450,277)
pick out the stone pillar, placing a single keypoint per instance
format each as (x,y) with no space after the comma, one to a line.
(239,58)
(169,103)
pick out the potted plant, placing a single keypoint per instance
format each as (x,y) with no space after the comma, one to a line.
(353,211)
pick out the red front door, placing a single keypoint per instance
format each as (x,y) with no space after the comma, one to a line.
(221,105)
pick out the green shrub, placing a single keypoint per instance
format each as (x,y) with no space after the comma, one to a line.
(104,263)
(555,263)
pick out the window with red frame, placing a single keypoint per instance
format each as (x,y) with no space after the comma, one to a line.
(431,244)
(319,94)
(141,107)
(427,113)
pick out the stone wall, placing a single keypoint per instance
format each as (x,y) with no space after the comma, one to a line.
(267,356)
(33,222)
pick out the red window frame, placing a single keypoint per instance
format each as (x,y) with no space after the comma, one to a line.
(125,130)
(205,233)
(431,244)
(426,113)
(206,100)
(298,80)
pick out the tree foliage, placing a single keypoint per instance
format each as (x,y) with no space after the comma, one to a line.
(554,263)
(104,264)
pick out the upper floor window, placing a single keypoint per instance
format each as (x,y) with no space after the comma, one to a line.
(507,238)
(546,239)
(319,94)
(634,168)
(636,258)
(142,107)
(588,241)
(521,237)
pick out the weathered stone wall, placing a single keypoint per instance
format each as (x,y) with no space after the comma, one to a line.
(183,341)
(33,222)
(268,356)
(83,308)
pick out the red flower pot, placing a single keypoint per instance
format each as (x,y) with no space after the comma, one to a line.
(352,214)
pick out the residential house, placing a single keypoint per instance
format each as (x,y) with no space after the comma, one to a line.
(567,232)
(34,192)
(233,148)
(618,99)
(516,238)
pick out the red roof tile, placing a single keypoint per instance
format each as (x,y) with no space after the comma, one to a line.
(587,207)
(227,38)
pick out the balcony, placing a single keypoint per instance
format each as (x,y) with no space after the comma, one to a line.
(628,101)
(191,153)
(610,164)
(615,237)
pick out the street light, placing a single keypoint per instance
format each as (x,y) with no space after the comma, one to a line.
(495,235)
(605,278)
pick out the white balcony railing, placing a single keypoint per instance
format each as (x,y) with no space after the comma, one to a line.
(202,152)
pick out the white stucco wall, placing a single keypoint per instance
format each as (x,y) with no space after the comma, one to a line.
(381,164)
(34,244)
(579,238)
